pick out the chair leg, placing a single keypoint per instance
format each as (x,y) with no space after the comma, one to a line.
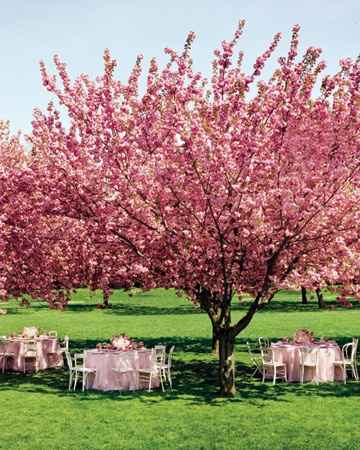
(344,373)
(264,373)
(70,379)
(170,380)
(354,371)
(149,390)
(76,379)
(3,364)
(161,381)
(84,381)
(285,373)
(316,377)
(274,377)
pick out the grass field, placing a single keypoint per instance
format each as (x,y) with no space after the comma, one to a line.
(37,411)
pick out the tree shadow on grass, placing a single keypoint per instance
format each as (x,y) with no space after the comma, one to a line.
(195,380)
(131,307)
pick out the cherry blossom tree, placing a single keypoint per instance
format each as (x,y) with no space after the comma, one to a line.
(214,187)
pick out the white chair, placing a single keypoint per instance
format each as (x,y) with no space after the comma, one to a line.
(276,368)
(348,360)
(52,334)
(124,369)
(147,375)
(31,354)
(308,360)
(166,366)
(77,368)
(256,360)
(5,356)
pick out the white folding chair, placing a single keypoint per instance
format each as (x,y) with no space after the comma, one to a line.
(256,360)
(348,359)
(77,369)
(31,354)
(80,369)
(124,369)
(147,375)
(166,366)
(269,364)
(5,357)
(308,360)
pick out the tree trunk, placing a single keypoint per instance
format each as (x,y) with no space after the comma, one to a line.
(320,298)
(226,364)
(106,297)
(304,299)
(215,342)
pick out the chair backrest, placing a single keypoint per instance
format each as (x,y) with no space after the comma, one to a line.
(267,355)
(79,359)
(169,356)
(309,356)
(30,347)
(64,346)
(52,333)
(264,343)
(355,342)
(251,354)
(348,351)
(160,354)
(69,359)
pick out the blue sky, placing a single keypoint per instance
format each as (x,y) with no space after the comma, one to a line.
(80,30)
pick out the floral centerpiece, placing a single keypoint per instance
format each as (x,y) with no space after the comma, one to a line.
(30,332)
(304,336)
(121,342)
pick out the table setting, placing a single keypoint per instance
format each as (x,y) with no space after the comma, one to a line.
(117,363)
(46,350)
(288,351)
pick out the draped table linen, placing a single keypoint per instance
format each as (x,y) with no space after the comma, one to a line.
(106,379)
(48,352)
(328,352)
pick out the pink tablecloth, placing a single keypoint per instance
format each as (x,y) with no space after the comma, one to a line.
(49,353)
(104,361)
(325,371)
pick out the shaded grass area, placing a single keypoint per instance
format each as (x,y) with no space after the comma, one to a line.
(38,412)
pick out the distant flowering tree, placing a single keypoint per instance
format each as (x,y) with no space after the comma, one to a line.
(206,188)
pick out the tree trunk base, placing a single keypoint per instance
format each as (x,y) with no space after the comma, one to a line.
(226,365)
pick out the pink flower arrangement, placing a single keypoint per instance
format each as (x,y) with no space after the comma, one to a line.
(121,342)
(124,343)
(304,336)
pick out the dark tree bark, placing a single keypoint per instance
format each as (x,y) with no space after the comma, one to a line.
(215,342)
(106,297)
(304,299)
(320,298)
(227,364)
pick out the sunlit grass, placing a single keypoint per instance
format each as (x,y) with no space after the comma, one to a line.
(37,411)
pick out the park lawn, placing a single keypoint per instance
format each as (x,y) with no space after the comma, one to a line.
(37,411)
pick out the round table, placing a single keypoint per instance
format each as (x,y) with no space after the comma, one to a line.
(325,371)
(48,352)
(106,379)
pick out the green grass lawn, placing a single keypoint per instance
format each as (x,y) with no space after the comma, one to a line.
(37,411)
